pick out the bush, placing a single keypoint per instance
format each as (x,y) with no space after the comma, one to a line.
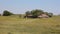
(7,13)
(50,14)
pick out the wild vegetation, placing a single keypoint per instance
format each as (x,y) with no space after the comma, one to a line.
(13,23)
(16,25)
(35,13)
(7,13)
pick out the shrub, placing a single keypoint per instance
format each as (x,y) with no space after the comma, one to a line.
(0,14)
(7,13)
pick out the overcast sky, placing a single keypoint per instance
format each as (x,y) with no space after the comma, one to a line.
(21,6)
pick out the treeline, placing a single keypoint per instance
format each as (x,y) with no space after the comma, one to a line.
(38,12)
(34,13)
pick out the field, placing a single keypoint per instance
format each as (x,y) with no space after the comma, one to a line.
(16,25)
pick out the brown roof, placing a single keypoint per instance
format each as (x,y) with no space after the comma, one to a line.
(43,15)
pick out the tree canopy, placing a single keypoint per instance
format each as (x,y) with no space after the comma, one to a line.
(7,13)
(38,12)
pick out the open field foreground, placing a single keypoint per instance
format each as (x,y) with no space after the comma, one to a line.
(15,25)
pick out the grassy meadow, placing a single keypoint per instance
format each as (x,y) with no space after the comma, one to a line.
(16,25)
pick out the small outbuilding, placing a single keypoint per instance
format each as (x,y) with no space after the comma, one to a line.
(40,16)
(43,16)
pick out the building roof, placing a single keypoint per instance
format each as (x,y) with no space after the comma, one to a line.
(43,16)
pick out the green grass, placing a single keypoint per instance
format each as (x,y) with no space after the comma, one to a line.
(15,25)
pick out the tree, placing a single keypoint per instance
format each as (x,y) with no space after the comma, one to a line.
(36,12)
(7,13)
(46,13)
(28,13)
(50,14)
